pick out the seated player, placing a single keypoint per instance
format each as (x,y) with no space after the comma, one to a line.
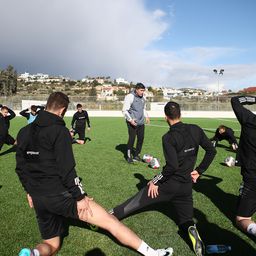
(225,133)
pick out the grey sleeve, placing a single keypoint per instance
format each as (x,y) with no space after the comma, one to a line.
(126,107)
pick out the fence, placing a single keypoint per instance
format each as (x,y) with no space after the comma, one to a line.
(199,103)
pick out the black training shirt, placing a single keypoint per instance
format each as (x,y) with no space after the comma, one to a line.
(45,162)
(79,119)
(180,147)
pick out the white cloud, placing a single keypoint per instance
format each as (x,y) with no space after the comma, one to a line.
(78,37)
(110,37)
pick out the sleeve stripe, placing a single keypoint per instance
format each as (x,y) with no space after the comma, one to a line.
(157,178)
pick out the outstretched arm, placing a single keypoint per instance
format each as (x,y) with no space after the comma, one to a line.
(209,155)
(243,114)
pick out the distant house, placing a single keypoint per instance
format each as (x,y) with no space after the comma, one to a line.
(249,90)
(121,81)
(171,92)
(41,78)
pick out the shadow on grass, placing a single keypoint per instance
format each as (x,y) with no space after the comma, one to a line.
(1,186)
(123,149)
(95,252)
(10,150)
(214,234)
(225,202)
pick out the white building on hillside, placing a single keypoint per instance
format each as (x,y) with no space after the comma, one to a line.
(171,92)
(121,81)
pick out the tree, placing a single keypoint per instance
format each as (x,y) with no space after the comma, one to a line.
(150,89)
(8,81)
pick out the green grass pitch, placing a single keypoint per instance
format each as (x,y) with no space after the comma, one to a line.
(110,180)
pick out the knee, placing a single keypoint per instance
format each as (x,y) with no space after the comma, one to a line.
(52,245)
(113,225)
(243,222)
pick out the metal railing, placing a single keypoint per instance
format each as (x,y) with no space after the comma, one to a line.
(195,103)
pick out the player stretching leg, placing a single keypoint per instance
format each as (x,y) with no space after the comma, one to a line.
(46,168)
(174,183)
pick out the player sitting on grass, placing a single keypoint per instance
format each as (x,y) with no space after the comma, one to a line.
(46,168)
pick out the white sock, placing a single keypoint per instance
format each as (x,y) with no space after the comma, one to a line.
(146,250)
(36,252)
(251,229)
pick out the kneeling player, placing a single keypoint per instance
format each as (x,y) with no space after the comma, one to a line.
(225,133)
(246,155)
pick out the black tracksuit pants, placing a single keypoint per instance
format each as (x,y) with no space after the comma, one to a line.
(134,131)
(8,139)
(178,193)
(80,130)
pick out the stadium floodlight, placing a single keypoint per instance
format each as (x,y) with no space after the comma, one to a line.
(218,73)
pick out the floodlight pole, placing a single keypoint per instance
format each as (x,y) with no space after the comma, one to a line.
(218,73)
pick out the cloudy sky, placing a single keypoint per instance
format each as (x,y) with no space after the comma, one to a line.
(175,43)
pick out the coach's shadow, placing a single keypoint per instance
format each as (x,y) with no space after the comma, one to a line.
(214,234)
(123,149)
(95,252)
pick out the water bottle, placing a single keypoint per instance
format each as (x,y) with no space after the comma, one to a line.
(217,248)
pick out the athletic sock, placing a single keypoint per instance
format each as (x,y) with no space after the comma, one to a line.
(35,252)
(251,229)
(146,250)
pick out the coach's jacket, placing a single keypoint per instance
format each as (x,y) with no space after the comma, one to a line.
(45,160)
(134,108)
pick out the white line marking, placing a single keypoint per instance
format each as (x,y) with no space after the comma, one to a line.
(227,120)
(204,128)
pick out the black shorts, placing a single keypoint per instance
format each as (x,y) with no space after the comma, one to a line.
(247,199)
(80,132)
(51,212)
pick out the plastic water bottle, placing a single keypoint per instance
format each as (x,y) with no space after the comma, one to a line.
(217,248)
